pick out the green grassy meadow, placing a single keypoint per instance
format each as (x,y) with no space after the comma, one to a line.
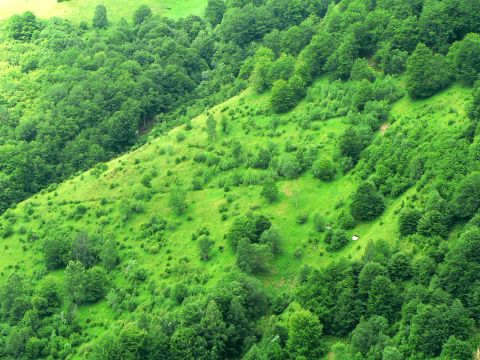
(109,193)
(79,10)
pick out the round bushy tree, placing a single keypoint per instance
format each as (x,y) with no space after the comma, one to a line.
(456,349)
(304,336)
(464,56)
(426,72)
(270,191)
(283,97)
(141,14)
(367,204)
(408,221)
(324,169)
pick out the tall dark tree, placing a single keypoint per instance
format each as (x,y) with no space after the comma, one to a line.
(283,96)
(100,19)
(214,11)
(367,204)
(305,336)
(142,14)
(427,72)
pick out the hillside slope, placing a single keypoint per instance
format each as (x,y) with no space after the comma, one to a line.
(328,208)
(123,198)
(81,10)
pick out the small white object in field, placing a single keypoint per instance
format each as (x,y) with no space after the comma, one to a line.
(355,238)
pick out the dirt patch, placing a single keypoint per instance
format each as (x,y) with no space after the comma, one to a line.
(288,189)
(384,128)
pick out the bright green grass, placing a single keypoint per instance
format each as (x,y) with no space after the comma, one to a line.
(78,10)
(303,195)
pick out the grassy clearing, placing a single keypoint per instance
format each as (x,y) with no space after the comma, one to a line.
(78,10)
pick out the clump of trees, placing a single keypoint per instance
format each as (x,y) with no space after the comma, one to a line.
(367,203)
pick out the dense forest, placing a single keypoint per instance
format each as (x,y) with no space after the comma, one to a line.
(294,179)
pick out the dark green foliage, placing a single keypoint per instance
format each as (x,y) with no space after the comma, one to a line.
(467,196)
(56,251)
(96,283)
(205,245)
(424,267)
(271,237)
(22,27)
(368,274)
(399,267)
(75,281)
(177,200)
(352,142)
(361,71)
(324,169)
(461,268)
(392,353)
(426,72)
(341,61)
(391,61)
(369,337)
(433,325)
(247,24)
(250,227)
(252,258)
(289,166)
(464,55)
(98,90)
(330,294)
(383,298)
(316,53)
(214,11)
(83,250)
(48,296)
(109,254)
(408,221)
(283,96)
(346,220)
(100,93)
(336,240)
(270,191)
(304,336)
(456,349)
(142,14)
(213,329)
(367,204)
(437,218)
(280,69)
(100,19)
